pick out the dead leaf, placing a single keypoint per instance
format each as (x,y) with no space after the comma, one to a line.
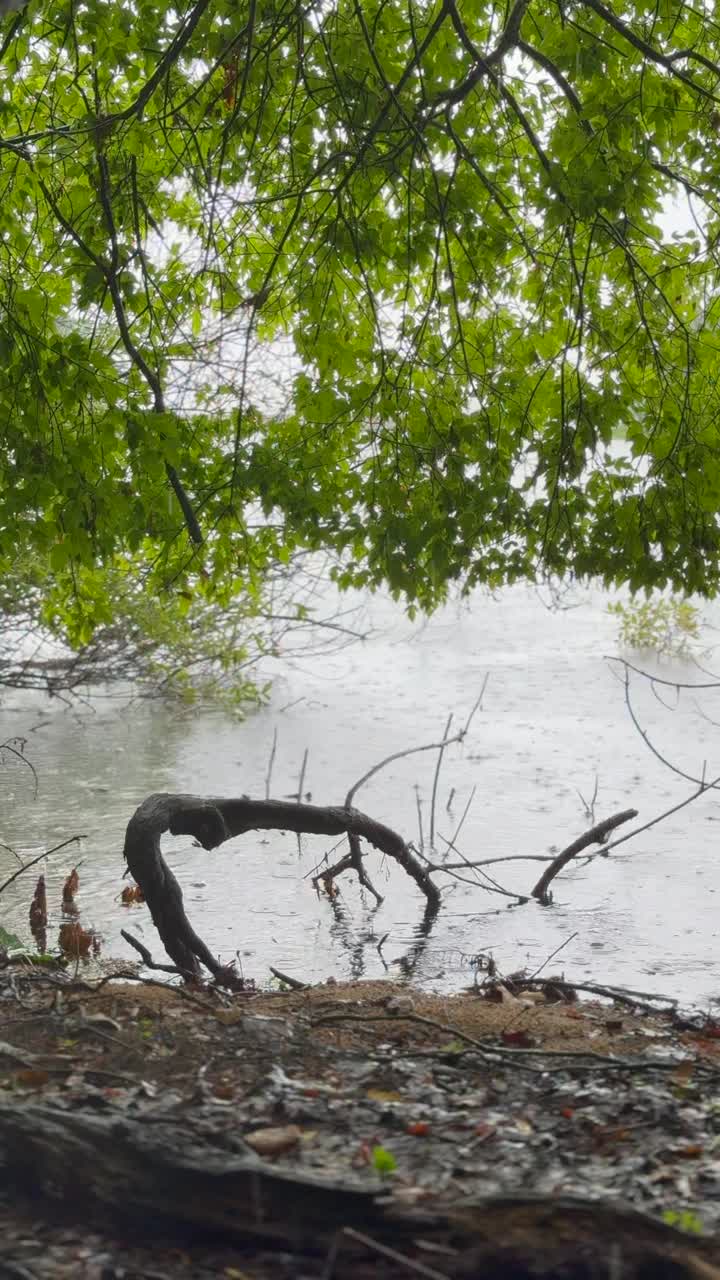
(38,915)
(605,1135)
(228,1017)
(505,996)
(274,1142)
(523,1127)
(70,888)
(419,1129)
(74,940)
(131,895)
(32,1078)
(683,1073)
(521,1038)
(225,1092)
(384,1095)
(400,1004)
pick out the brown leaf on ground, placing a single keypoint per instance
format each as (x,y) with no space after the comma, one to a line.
(520,1038)
(31,1078)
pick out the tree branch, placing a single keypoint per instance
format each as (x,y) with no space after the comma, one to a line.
(214,820)
(596,835)
(661,59)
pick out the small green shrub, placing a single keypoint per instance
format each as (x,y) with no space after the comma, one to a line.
(666,625)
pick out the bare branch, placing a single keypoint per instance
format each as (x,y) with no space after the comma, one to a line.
(33,861)
(596,835)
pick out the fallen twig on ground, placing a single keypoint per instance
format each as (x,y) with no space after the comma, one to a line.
(623,995)
(583,1060)
(375,1246)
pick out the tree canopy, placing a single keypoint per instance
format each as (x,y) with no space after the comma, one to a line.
(429,284)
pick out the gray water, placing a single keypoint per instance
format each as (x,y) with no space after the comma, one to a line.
(553,720)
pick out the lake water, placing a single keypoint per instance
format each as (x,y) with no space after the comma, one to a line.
(553,720)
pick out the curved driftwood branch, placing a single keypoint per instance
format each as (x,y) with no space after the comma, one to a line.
(212,820)
(596,835)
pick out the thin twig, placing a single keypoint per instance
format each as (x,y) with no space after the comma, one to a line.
(491,887)
(56,849)
(435,784)
(667,813)
(461,823)
(122,975)
(410,751)
(356,862)
(490,862)
(19,753)
(552,955)
(402,1260)
(418,805)
(476,705)
(271,762)
(623,995)
(698,782)
(379,948)
(301,780)
(9,849)
(146,955)
(585,1059)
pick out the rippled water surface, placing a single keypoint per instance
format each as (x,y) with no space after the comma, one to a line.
(553,720)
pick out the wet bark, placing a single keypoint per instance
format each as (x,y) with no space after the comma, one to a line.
(213,820)
(597,835)
(164,1177)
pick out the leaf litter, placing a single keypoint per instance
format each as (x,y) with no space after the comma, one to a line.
(432,1100)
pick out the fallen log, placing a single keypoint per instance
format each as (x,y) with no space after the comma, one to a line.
(162,1177)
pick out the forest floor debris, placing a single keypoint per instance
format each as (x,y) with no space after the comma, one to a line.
(429,1100)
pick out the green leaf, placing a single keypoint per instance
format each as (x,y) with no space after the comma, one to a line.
(384,1161)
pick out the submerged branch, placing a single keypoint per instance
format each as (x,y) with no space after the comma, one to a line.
(596,835)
